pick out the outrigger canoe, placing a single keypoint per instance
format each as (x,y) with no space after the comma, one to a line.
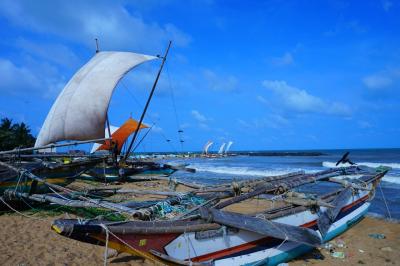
(216,236)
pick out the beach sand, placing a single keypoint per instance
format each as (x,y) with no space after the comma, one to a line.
(30,241)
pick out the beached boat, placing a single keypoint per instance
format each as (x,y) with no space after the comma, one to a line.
(80,111)
(213,233)
(131,171)
(58,173)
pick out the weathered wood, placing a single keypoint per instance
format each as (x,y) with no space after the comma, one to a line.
(136,191)
(263,227)
(50,146)
(283,185)
(307,202)
(329,215)
(44,198)
(346,183)
(136,227)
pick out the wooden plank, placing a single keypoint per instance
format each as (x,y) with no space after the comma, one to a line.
(263,227)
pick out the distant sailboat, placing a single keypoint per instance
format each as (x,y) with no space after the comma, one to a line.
(207,146)
(228,146)
(221,149)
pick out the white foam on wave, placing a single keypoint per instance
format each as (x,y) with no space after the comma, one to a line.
(241,170)
(386,178)
(391,179)
(369,164)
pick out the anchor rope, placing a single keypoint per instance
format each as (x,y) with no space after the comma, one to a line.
(106,245)
(20,213)
(384,200)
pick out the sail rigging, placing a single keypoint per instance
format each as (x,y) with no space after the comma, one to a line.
(79,113)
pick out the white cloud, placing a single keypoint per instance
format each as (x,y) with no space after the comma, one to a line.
(274,121)
(54,53)
(387,5)
(202,120)
(82,21)
(364,124)
(284,60)
(220,82)
(16,79)
(377,81)
(42,79)
(301,101)
(262,99)
(199,117)
(157,129)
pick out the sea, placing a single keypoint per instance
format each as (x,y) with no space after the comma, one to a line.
(240,167)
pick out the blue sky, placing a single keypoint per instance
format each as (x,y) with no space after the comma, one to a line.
(264,74)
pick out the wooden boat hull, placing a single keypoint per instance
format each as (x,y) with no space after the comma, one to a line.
(239,247)
(60,175)
(111,174)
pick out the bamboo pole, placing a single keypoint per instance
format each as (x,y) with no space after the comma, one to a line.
(17,150)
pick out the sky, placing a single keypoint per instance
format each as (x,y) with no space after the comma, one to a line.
(267,75)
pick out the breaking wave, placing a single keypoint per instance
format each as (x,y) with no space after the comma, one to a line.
(369,164)
(246,171)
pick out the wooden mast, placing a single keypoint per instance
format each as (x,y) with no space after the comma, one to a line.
(147,103)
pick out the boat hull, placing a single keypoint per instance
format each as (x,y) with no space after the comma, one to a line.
(239,247)
(111,174)
(61,175)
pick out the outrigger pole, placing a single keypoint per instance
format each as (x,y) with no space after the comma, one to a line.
(53,146)
(147,103)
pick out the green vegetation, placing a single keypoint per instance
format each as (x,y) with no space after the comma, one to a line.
(13,135)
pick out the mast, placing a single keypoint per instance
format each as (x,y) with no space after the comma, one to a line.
(147,103)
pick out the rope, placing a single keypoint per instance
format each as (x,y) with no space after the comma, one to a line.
(174,106)
(264,261)
(138,252)
(384,200)
(141,106)
(20,213)
(106,245)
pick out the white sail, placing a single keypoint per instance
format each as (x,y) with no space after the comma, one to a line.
(79,113)
(221,149)
(207,146)
(228,146)
(97,145)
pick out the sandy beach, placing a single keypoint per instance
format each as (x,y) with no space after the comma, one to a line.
(30,241)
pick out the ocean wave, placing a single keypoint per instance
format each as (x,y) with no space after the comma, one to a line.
(369,164)
(391,179)
(241,170)
(387,178)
